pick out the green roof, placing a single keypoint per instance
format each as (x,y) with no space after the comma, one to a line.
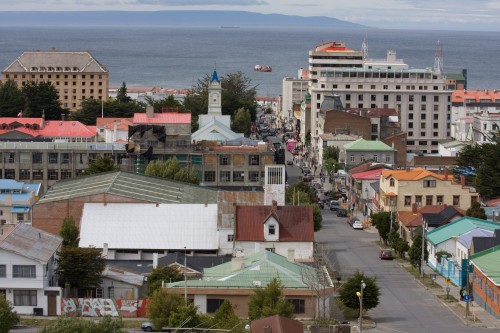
(131,185)
(487,261)
(259,269)
(365,145)
(459,227)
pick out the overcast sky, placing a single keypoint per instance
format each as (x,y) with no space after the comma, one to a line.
(411,14)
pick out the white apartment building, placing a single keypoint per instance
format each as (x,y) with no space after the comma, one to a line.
(294,91)
(485,126)
(419,95)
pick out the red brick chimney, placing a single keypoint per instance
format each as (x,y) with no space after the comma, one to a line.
(462,180)
(445,173)
(414,208)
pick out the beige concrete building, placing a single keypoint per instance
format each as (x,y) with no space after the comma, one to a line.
(76,75)
(423,188)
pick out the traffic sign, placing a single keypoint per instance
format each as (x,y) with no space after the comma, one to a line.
(466,298)
(447,280)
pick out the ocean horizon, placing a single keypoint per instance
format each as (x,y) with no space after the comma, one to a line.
(177,57)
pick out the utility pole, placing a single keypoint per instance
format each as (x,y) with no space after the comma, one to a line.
(185,279)
(422,259)
(360,295)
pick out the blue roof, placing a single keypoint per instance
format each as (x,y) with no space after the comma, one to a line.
(10,184)
(20,210)
(215,77)
(23,197)
(466,239)
(35,188)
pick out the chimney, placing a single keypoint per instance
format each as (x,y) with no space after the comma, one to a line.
(105,250)
(414,208)
(150,111)
(462,180)
(445,173)
(275,205)
(63,117)
(155,260)
(237,263)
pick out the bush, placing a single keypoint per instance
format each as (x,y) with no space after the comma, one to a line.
(162,305)
(8,317)
(80,325)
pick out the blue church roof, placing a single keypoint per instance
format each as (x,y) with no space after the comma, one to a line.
(215,77)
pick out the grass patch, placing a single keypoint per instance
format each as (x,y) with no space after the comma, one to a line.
(426,281)
(448,298)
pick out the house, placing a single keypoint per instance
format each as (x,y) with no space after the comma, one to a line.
(445,237)
(117,282)
(483,243)
(363,150)
(27,269)
(486,281)
(113,129)
(276,324)
(236,281)
(192,266)
(361,191)
(399,189)
(285,230)
(464,242)
(17,200)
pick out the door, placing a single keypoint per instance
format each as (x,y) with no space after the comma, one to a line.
(51,305)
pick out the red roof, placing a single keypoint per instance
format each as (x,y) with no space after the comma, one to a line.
(49,128)
(163,118)
(295,223)
(370,174)
(109,123)
(489,96)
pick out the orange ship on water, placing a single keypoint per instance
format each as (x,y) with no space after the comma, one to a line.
(260,68)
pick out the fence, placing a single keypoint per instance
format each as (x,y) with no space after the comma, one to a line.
(100,307)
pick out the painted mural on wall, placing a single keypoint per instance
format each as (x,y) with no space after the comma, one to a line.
(100,307)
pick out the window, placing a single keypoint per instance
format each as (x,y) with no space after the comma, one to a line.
(25,298)
(410,116)
(65,158)
(225,176)
(428,200)
(407,200)
(388,158)
(362,158)
(299,305)
(3,271)
(37,157)
(238,176)
(418,200)
(272,230)
(456,200)
(429,183)
(53,174)
(375,158)
(225,160)
(352,158)
(439,199)
(253,176)
(391,182)
(24,271)
(213,304)
(423,116)
(20,217)
(209,176)
(53,157)
(373,98)
(253,160)
(360,97)
(65,174)
(230,238)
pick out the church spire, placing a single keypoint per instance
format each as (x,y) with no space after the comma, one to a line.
(214,94)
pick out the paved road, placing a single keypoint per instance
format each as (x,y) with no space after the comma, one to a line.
(405,306)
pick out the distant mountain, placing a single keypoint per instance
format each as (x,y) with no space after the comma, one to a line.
(167,18)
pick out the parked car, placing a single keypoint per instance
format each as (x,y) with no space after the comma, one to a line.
(357,225)
(386,254)
(289,162)
(148,327)
(321,204)
(334,205)
(342,212)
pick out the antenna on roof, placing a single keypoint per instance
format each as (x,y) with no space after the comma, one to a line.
(364,48)
(438,59)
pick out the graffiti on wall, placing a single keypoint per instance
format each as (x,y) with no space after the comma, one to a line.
(100,307)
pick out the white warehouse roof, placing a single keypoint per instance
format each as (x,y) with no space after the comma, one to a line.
(149,226)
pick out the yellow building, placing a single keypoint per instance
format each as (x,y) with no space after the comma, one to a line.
(422,187)
(75,75)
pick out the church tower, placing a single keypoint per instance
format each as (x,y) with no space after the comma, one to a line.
(214,95)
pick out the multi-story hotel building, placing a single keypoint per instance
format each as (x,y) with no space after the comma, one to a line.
(420,96)
(75,75)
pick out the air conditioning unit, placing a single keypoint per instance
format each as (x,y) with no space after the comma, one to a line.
(256,283)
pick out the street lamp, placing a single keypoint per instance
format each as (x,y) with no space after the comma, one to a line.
(422,259)
(360,296)
(185,279)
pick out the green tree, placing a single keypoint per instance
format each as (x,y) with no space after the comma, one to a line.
(184,316)
(331,152)
(476,210)
(69,232)
(171,169)
(225,318)
(382,221)
(80,268)
(307,140)
(41,98)
(415,251)
(11,99)
(392,238)
(160,274)
(242,122)
(331,165)
(161,306)
(8,317)
(121,95)
(92,109)
(167,102)
(317,218)
(269,301)
(371,292)
(402,246)
(81,325)
(101,164)
(302,192)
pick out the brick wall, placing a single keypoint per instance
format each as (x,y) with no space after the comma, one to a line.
(356,125)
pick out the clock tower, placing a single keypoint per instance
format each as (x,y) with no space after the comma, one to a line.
(214,95)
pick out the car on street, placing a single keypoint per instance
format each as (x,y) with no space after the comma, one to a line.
(357,225)
(148,327)
(386,254)
(334,205)
(342,212)
(289,162)
(321,204)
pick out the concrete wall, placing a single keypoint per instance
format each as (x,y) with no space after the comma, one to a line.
(303,251)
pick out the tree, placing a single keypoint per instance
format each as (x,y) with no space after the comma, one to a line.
(8,317)
(302,192)
(317,217)
(69,232)
(101,164)
(161,306)
(92,109)
(185,315)
(167,102)
(80,268)
(331,165)
(307,140)
(371,292)
(269,301)
(242,122)
(11,99)
(171,169)
(160,274)
(331,152)
(121,95)
(225,318)
(81,325)
(41,98)
(415,251)
(382,221)
(402,246)
(476,210)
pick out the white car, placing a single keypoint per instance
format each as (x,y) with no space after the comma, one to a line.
(357,225)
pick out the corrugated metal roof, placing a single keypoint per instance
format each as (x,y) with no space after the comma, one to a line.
(83,61)
(149,226)
(459,227)
(367,145)
(260,267)
(487,262)
(10,184)
(295,223)
(31,242)
(163,118)
(131,185)
(466,239)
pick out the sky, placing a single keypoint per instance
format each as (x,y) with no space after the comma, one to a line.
(472,15)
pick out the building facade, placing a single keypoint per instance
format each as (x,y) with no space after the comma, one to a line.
(75,75)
